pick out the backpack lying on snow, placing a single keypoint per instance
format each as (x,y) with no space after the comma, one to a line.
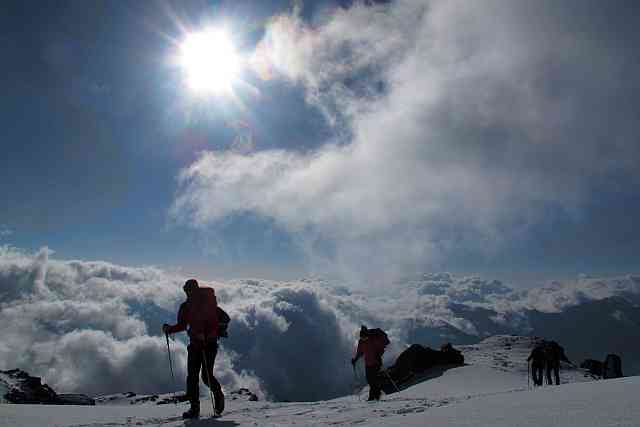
(612,367)
(223,323)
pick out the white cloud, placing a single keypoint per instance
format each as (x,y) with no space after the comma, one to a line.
(93,327)
(467,122)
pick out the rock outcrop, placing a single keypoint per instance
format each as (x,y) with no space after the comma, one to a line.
(25,389)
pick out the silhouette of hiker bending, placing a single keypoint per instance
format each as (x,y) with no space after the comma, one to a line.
(371,345)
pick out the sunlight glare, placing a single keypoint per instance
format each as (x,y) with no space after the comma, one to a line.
(210,61)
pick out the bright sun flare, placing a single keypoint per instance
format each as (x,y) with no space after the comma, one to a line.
(210,61)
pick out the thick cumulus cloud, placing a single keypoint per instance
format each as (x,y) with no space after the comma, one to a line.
(93,327)
(465,123)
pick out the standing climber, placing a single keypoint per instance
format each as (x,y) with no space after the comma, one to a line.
(554,354)
(198,316)
(537,359)
(371,345)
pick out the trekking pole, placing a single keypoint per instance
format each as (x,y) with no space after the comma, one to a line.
(391,379)
(173,377)
(206,367)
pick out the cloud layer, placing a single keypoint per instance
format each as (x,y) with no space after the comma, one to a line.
(465,124)
(93,327)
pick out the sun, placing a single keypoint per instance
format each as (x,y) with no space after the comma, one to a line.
(210,61)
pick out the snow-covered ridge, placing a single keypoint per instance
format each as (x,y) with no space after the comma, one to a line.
(490,390)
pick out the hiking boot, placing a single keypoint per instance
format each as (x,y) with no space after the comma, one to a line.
(191,413)
(219,400)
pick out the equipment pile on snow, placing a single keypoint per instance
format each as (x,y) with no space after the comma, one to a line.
(417,360)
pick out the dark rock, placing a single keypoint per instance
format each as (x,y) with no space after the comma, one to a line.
(144,399)
(173,399)
(245,393)
(30,390)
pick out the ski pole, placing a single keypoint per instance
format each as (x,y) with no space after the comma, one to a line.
(528,375)
(391,379)
(173,377)
(206,367)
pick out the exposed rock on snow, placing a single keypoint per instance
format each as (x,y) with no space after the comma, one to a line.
(130,398)
(25,389)
(243,394)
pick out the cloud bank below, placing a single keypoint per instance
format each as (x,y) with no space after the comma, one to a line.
(93,327)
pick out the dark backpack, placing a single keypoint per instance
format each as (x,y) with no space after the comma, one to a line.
(612,367)
(223,323)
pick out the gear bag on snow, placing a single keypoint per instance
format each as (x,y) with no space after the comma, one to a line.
(612,367)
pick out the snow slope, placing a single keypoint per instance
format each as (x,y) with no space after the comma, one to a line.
(490,390)
(595,404)
(610,403)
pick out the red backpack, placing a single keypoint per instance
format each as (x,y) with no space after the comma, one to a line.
(380,334)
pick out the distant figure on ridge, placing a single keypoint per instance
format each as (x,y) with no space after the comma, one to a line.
(371,345)
(537,359)
(554,354)
(199,315)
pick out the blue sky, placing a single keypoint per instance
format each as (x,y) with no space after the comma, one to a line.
(526,154)
(93,138)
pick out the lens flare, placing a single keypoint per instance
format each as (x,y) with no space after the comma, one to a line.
(210,61)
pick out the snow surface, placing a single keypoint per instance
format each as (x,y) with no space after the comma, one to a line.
(490,390)
(602,403)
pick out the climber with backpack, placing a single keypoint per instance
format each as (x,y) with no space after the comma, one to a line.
(554,354)
(537,360)
(198,315)
(371,345)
